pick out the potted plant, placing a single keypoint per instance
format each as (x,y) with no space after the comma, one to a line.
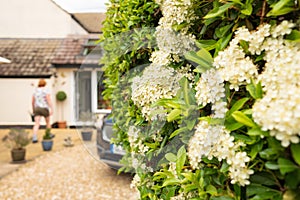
(16,140)
(61,96)
(47,141)
(87,118)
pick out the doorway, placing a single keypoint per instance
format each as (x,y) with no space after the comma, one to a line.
(83,91)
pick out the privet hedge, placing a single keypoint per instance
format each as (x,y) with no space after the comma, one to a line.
(206,96)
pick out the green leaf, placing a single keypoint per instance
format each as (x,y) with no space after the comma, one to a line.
(293,179)
(295,149)
(269,153)
(255,90)
(255,149)
(222,31)
(190,124)
(248,10)
(224,167)
(280,8)
(264,192)
(233,126)
(257,132)
(286,166)
(190,187)
(263,178)
(237,105)
(245,139)
(188,96)
(218,11)
(206,44)
(171,157)
(176,132)
(294,36)
(173,115)
(171,181)
(212,190)
(181,157)
(205,55)
(272,165)
(280,12)
(202,59)
(242,118)
(225,41)
(222,198)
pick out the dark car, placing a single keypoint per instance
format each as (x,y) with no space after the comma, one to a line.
(108,153)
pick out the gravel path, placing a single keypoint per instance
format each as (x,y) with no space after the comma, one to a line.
(69,174)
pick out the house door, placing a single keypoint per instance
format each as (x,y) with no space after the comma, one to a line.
(83,92)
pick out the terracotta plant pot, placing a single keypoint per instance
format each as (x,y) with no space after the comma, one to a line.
(62,124)
(18,155)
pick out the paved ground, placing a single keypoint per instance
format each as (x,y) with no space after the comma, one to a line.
(34,150)
(64,173)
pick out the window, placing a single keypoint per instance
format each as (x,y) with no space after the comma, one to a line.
(91,48)
(101,103)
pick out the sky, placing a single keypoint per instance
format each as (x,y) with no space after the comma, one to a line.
(75,6)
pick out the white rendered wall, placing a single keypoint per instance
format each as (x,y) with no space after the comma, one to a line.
(35,19)
(15,100)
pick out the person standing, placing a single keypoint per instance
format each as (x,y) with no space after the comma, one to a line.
(42,107)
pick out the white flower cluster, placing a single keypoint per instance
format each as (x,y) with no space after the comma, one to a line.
(184,196)
(234,66)
(157,82)
(171,45)
(136,142)
(215,141)
(138,163)
(136,181)
(176,12)
(279,109)
(210,89)
(187,72)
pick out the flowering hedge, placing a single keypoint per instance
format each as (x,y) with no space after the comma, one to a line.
(208,105)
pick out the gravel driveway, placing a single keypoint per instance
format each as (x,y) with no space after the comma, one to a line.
(69,174)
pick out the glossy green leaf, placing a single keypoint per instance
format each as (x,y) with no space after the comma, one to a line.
(295,149)
(263,178)
(243,119)
(237,105)
(212,190)
(233,126)
(255,149)
(173,115)
(286,166)
(294,36)
(171,181)
(218,11)
(281,7)
(171,157)
(206,44)
(178,131)
(272,165)
(181,157)
(255,90)
(257,132)
(247,10)
(269,153)
(203,63)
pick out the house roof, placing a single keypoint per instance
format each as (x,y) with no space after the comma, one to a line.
(29,57)
(72,51)
(92,22)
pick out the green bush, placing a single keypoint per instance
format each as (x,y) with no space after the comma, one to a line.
(215,118)
(61,96)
